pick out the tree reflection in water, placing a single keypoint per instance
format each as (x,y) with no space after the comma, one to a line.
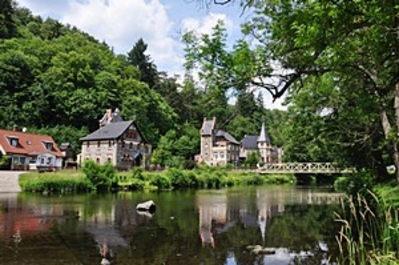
(192,227)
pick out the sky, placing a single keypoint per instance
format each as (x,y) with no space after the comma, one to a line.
(161,23)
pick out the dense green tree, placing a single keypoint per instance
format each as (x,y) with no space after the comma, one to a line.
(143,62)
(8,27)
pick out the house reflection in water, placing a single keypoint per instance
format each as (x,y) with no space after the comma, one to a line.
(17,222)
(269,204)
(217,215)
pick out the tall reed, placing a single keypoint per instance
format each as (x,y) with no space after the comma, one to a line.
(369,230)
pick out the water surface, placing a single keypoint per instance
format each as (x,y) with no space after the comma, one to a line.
(190,227)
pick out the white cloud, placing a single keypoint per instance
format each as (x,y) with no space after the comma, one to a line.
(205,24)
(120,23)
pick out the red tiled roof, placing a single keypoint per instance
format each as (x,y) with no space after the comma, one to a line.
(28,143)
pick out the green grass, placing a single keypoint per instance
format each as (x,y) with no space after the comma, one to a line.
(59,181)
(138,179)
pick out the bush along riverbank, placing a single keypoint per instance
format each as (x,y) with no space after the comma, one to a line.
(106,178)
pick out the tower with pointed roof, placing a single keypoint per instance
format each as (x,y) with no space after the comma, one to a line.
(264,145)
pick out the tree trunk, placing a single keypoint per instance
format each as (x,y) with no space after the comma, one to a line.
(395,139)
(386,125)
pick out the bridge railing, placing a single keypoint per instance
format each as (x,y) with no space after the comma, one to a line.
(310,167)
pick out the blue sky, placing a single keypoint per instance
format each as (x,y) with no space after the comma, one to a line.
(120,23)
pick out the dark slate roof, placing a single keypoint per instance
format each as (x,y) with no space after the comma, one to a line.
(207,127)
(250,142)
(227,136)
(110,131)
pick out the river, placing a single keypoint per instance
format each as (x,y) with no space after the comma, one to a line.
(247,225)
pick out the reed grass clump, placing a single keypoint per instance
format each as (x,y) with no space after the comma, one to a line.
(369,230)
(56,182)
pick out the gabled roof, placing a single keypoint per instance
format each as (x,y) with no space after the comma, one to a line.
(28,143)
(263,137)
(208,126)
(227,136)
(250,142)
(110,131)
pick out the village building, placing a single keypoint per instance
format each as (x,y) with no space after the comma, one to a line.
(260,144)
(117,142)
(220,148)
(29,151)
(217,146)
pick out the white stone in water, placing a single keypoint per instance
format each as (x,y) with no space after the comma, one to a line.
(104,261)
(391,169)
(146,206)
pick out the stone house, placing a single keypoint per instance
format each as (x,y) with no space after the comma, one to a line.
(217,146)
(220,148)
(117,142)
(29,151)
(262,145)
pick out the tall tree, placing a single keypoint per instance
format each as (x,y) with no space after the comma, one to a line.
(8,27)
(143,62)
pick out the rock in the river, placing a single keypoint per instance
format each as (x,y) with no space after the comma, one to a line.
(146,206)
(258,249)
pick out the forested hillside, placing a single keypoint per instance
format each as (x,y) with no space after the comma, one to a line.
(58,80)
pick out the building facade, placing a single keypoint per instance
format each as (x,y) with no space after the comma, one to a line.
(117,142)
(217,146)
(220,148)
(260,144)
(29,151)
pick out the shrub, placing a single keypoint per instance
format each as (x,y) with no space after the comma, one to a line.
(178,178)
(137,173)
(101,176)
(160,181)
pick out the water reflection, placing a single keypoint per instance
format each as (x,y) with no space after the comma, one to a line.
(283,225)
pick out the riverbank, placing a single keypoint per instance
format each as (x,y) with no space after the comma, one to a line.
(138,179)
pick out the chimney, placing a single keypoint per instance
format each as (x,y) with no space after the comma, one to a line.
(109,115)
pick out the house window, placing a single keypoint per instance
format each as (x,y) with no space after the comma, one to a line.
(222,155)
(123,144)
(49,160)
(215,155)
(98,144)
(109,160)
(49,146)
(98,160)
(109,143)
(131,146)
(14,141)
(87,144)
(42,161)
(131,134)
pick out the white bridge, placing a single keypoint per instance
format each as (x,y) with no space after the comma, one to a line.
(306,167)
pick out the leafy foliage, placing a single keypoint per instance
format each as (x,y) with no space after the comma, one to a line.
(101,176)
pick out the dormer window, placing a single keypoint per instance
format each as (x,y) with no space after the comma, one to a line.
(13,140)
(48,145)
